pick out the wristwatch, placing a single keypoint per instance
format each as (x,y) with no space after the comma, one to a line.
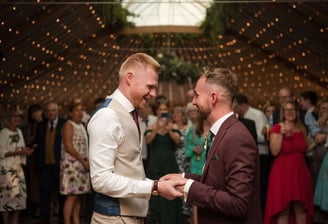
(155,188)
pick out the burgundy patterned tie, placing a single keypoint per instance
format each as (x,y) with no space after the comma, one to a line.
(135,118)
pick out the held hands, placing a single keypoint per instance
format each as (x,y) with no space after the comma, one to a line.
(171,188)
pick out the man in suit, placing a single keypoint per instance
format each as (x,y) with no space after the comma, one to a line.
(122,191)
(285,94)
(228,191)
(249,124)
(48,151)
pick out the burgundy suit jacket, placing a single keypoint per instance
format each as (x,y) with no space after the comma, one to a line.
(228,191)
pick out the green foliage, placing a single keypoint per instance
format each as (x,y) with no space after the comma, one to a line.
(216,19)
(114,15)
(176,69)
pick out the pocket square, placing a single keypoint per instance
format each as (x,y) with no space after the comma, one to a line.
(215,157)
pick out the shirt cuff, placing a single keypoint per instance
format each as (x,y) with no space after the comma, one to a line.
(186,189)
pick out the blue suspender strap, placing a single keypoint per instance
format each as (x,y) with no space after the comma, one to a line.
(103,105)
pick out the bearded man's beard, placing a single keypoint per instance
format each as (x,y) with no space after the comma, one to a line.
(204,113)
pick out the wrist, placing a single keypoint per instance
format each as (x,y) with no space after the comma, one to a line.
(155,188)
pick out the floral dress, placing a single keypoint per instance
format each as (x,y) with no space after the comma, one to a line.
(74,179)
(180,153)
(12,180)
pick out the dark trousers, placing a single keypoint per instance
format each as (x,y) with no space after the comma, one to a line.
(49,187)
(265,165)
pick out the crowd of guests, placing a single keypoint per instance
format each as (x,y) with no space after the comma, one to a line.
(44,160)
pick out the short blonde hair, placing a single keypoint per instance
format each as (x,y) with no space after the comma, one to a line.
(139,59)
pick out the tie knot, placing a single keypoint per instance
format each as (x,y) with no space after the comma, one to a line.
(210,136)
(208,141)
(134,114)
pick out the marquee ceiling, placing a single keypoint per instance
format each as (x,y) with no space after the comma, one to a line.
(52,51)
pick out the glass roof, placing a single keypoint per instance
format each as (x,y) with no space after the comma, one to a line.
(167,12)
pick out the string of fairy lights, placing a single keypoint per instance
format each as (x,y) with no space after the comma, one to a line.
(62,51)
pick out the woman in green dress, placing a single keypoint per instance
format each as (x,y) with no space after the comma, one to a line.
(162,138)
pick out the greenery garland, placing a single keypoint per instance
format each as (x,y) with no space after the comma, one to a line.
(173,68)
(176,69)
(114,15)
(216,20)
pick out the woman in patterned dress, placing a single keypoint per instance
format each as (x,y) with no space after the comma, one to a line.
(74,166)
(12,180)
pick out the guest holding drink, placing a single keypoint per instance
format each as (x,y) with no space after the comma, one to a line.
(195,145)
(290,195)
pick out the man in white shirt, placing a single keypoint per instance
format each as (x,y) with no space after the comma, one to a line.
(146,119)
(121,189)
(261,122)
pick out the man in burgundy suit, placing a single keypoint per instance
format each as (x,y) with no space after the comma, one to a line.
(228,191)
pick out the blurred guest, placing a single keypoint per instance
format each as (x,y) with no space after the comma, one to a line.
(321,193)
(74,164)
(13,154)
(146,118)
(249,124)
(269,109)
(308,103)
(179,118)
(245,110)
(190,95)
(285,94)
(163,138)
(34,117)
(195,145)
(48,140)
(290,195)
(192,114)
(98,102)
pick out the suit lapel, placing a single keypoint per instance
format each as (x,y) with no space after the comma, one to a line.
(213,154)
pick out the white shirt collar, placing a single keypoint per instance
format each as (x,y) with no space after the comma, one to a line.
(54,124)
(216,126)
(119,96)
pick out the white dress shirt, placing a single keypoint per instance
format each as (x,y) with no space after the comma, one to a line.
(105,135)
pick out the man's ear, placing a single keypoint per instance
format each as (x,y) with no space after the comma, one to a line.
(214,97)
(129,78)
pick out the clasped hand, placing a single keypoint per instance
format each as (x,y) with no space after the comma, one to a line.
(171,186)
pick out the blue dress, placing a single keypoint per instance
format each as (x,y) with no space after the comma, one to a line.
(321,192)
